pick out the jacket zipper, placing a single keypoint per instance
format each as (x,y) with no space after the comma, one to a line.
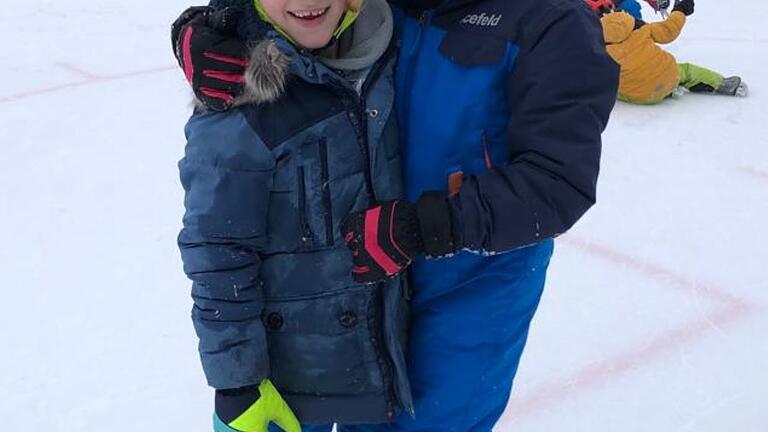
(356,117)
(356,106)
(379,342)
(326,188)
(306,230)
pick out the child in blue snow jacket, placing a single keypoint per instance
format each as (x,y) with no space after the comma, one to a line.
(500,106)
(633,7)
(286,335)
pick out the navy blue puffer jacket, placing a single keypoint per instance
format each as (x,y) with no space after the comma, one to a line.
(267,187)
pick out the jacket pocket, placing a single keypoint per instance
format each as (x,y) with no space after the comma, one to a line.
(306,230)
(323,346)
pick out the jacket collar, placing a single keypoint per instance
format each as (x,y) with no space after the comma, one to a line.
(440,5)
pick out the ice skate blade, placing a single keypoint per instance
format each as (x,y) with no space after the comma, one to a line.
(742,90)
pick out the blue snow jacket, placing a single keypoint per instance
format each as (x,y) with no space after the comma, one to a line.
(631,7)
(510,97)
(505,102)
(267,187)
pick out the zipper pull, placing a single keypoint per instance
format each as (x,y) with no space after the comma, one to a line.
(423,18)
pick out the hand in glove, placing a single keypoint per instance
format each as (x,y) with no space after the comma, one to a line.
(684,6)
(385,239)
(252,409)
(211,55)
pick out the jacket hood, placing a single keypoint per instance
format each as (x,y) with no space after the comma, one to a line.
(617,27)
(273,59)
(265,74)
(364,43)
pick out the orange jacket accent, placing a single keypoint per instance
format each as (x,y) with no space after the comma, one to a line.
(648,73)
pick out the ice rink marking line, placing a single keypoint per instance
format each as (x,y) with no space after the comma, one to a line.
(88,80)
(79,71)
(754,172)
(651,270)
(595,374)
(592,375)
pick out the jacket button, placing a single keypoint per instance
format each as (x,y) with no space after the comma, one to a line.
(348,319)
(274,321)
(372,113)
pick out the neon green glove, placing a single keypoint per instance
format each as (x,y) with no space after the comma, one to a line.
(252,409)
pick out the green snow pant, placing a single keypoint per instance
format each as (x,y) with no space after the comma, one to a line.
(699,79)
(694,78)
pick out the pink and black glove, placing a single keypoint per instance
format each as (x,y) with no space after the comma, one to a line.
(385,239)
(211,55)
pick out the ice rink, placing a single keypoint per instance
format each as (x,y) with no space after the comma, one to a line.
(655,317)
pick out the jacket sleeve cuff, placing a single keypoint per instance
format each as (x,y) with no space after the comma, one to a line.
(233,356)
(436,222)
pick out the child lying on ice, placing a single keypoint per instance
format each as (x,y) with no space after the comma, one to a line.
(650,74)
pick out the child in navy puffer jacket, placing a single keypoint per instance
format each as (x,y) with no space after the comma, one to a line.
(286,335)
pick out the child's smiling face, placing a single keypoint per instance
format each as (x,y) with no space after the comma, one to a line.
(310,23)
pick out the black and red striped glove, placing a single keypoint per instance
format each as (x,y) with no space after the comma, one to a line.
(211,55)
(385,239)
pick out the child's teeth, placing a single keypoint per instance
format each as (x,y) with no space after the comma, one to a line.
(305,14)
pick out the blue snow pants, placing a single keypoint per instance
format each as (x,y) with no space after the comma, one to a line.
(466,339)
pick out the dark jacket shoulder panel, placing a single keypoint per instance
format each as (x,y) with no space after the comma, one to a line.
(301,106)
(480,32)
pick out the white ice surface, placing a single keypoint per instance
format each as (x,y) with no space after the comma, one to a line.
(654,318)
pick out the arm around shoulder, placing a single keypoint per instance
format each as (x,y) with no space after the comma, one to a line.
(561,93)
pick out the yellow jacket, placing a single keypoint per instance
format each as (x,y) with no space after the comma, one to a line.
(648,73)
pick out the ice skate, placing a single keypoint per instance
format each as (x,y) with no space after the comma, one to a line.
(733,86)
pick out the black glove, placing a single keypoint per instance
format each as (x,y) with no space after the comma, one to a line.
(386,238)
(211,55)
(684,6)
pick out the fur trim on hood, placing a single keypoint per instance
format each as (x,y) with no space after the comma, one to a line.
(265,75)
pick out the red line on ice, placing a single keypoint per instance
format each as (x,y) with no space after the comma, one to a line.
(651,270)
(93,79)
(754,172)
(79,71)
(603,371)
(732,309)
